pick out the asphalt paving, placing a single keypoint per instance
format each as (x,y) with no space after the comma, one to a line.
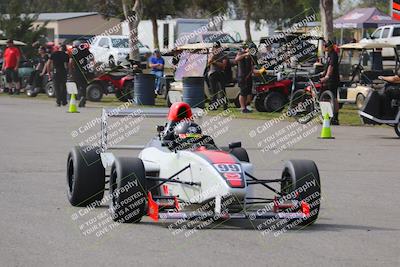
(358,225)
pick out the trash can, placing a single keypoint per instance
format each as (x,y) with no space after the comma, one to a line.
(193,91)
(144,85)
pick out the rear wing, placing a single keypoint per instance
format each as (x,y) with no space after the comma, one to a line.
(134,113)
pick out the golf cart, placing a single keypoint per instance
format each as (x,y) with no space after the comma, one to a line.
(382,104)
(193,63)
(360,64)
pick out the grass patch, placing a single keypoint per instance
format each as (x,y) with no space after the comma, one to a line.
(348,114)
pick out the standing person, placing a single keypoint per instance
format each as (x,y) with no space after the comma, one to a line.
(331,77)
(217,63)
(10,66)
(246,61)
(36,78)
(157,68)
(59,61)
(80,64)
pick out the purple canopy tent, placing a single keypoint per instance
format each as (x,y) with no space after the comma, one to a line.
(363,18)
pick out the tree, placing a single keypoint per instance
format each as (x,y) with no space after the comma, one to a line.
(20,26)
(154,10)
(132,13)
(326,10)
(283,12)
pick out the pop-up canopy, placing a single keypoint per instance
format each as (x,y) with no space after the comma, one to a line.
(363,18)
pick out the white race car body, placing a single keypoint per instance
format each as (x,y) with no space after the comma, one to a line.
(209,169)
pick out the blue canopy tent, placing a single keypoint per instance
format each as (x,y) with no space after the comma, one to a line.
(362,18)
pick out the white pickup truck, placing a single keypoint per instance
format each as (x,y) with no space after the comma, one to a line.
(385,34)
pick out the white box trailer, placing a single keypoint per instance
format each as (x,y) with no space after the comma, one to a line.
(171,31)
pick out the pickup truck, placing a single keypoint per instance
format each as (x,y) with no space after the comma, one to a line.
(385,34)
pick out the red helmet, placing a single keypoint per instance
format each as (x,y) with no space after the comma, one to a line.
(179,111)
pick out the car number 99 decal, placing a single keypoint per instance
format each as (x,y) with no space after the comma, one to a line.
(232,168)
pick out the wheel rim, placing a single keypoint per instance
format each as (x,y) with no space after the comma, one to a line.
(95,93)
(70,175)
(360,101)
(50,90)
(286,182)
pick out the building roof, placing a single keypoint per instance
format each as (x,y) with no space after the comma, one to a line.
(63,15)
(56,16)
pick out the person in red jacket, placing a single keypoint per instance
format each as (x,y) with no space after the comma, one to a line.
(11,58)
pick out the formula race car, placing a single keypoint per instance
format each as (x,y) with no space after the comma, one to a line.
(182,174)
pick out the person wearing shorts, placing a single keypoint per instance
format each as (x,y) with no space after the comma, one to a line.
(246,60)
(11,59)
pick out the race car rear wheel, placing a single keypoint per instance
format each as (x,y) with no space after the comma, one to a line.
(302,177)
(127,190)
(85,176)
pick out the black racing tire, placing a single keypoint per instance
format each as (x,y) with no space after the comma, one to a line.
(49,89)
(259,102)
(274,102)
(85,176)
(360,100)
(397,129)
(128,190)
(302,176)
(95,92)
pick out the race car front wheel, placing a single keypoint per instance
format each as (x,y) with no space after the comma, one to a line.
(127,190)
(85,176)
(397,129)
(300,179)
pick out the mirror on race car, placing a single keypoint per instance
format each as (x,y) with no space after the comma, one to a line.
(235,144)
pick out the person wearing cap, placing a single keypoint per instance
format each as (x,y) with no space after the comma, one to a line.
(58,61)
(217,62)
(11,59)
(79,67)
(246,61)
(156,63)
(331,77)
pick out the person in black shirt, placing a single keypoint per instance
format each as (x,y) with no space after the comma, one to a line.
(217,63)
(59,60)
(36,77)
(80,63)
(246,61)
(331,77)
